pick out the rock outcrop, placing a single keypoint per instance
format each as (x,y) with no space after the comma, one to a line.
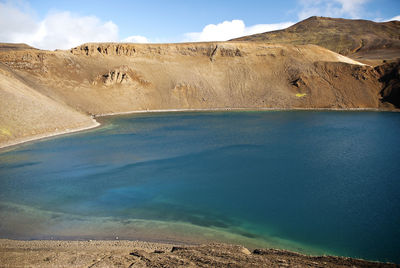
(120,75)
(113,77)
(136,50)
(390,77)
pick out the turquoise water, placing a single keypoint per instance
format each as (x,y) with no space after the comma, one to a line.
(315,182)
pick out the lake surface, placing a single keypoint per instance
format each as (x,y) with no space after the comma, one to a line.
(314,182)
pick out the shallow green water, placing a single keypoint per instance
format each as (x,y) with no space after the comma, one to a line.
(315,182)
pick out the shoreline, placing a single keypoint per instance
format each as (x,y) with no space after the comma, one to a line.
(100,253)
(9,145)
(43,136)
(245,109)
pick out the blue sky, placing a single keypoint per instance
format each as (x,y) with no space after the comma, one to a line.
(63,24)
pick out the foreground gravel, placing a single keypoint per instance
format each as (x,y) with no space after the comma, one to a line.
(146,254)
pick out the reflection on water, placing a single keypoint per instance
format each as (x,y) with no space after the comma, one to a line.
(316,182)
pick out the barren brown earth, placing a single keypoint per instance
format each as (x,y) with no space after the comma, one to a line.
(145,254)
(47,92)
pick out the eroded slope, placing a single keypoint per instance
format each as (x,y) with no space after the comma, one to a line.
(27,114)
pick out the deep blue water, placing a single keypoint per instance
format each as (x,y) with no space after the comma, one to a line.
(317,182)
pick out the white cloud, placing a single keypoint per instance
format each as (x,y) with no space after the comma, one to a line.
(386,20)
(136,39)
(15,21)
(232,29)
(331,8)
(58,30)
(395,18)
(351,6)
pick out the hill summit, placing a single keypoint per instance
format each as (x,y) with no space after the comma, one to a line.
(360,39)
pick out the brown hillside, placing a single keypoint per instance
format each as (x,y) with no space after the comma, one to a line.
(355,38)
(26,113)
(12,46)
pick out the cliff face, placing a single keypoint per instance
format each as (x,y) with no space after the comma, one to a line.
(110,78)
(390,77)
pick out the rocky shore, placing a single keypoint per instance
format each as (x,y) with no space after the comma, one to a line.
(95,253)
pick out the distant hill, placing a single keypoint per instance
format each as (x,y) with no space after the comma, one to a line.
(13,47)
(354,38)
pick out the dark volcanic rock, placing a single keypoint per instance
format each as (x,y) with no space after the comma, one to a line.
(390,77)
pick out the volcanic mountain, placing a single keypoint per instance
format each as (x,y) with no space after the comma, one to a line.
(358,39)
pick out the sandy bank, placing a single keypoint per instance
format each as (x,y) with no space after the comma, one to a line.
(19,141)
(245,109)
(145,254)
